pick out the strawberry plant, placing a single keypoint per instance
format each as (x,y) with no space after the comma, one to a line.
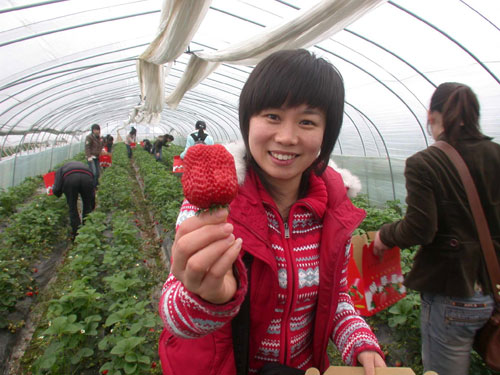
(13,196)
(377,216)
(30,236)
(37,225)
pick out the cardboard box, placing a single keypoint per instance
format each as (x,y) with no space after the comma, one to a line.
(374,283)
(341,370)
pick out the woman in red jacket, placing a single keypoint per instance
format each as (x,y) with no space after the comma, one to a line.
(292,217)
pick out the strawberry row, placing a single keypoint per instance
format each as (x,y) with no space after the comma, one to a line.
(162,188)
(102,317)
(28,239)
(12,197)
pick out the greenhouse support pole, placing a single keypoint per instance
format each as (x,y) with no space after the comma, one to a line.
(15,161)
(69,149)
(14,170)
(51,155)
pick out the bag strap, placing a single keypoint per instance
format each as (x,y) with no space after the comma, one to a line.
(198,138)
(240,326)
(478,214)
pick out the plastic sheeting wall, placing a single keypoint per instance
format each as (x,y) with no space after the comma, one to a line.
(14,170)
(375,176)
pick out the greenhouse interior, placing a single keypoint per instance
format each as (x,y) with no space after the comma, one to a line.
(159,67)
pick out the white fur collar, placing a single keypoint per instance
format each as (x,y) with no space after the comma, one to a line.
(237,149)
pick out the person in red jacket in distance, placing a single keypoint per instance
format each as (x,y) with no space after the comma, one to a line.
(293,217)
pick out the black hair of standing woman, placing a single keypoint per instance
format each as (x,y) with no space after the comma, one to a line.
(460,109)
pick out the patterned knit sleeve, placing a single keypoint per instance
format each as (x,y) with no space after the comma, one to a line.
(351,334)
(187,315)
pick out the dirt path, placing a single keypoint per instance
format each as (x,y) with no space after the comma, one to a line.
(14,344)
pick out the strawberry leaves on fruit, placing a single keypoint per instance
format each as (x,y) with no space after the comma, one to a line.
(209,180)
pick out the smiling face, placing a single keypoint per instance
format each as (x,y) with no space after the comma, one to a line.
(284,142)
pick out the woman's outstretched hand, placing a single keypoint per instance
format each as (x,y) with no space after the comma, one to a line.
(203,254)
(370,359)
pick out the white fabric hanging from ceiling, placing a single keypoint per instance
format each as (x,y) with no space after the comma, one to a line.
(307,28)
(180,20)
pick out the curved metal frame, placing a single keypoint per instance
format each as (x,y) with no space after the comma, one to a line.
(66,119)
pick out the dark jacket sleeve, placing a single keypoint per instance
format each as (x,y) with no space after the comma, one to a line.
(419,225)
(58,183)
(88,145)
(158,145)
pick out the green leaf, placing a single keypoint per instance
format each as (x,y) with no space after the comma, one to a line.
(47,361)
(51,354)
(397,320)
(127,345)
(113,318)
(73,328)
(63,324)
(131,357)
(107,366)
(130,368)
(75,359)
(103,344)
(150,321)
(144,359)
(93,318)
(136,327)
(85,352)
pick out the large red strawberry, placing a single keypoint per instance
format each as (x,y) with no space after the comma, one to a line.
(209,178)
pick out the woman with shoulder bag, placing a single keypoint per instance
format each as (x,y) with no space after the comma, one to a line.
(449,269)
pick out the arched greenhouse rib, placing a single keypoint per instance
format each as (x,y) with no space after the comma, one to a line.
(55,89)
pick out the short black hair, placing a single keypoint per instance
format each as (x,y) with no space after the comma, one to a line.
(95,126)
(291,78)
(200,125)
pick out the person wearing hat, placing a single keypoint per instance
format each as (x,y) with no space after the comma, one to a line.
(197,137)
(131,138)
(93,149)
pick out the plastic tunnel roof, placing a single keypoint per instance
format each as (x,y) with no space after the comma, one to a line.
(69,64)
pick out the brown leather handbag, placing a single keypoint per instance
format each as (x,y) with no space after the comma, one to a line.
(487,340)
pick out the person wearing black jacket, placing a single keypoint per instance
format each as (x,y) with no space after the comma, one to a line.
(160,143)
(147,145)
(73,179)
